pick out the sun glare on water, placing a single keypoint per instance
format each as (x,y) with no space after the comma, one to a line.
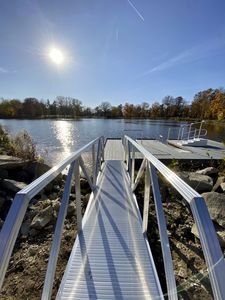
(56,56)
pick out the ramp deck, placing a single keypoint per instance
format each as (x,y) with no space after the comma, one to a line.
(111,258)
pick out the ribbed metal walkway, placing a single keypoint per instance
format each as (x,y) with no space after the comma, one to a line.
(111,259)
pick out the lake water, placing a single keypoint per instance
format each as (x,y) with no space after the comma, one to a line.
(56,139)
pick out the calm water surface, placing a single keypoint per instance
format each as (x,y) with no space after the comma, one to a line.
(56,139)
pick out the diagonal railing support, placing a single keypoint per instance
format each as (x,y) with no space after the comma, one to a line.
(146,200)
(167,258)
(52,261)
(84,170)
(139,174)
(78,195)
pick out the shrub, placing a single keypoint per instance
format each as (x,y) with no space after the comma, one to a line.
(21,145)
(24,147)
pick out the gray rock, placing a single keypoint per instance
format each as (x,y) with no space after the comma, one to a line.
(2,201)
(21,176)
(56,207)
(36,169)
(10,162)
(216,206)
(12,185)
(183,271)
(71,209)
(220,180)
(33,232)
(53,196)
(222,185)
(210,171)
(220,234)
(25,228)
(33,250)
(200,183)
(3,174)
(42,218)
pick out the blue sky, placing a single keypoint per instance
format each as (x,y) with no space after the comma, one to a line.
(115,50)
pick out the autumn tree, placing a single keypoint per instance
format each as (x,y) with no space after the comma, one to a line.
(217,106)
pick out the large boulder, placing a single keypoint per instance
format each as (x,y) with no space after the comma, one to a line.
(10,162)
(12,185)
(3,173)
(200,183)
(218,184)
(43,218)
(220,234)
(36,169)
(210,171)
(216,206)
(222,186)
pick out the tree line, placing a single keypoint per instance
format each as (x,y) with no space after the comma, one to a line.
(207,104)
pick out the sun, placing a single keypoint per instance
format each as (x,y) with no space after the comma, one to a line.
(56,56)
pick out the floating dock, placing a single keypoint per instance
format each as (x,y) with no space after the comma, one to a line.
(168,151)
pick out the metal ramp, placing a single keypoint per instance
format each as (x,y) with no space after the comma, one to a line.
(111,259)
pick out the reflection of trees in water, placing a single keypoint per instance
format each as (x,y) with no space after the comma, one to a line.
(215,131)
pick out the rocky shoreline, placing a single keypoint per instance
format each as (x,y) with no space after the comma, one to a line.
(26,272)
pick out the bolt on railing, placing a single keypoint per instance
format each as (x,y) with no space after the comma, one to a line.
(14,219)
(210,245)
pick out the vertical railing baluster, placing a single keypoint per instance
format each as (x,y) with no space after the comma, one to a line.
(189,132)
(93,165)
(129,158)
(103,150)
(97,160)
(53,257)
(146,199)
(133,165)
(78,196)
(200,129)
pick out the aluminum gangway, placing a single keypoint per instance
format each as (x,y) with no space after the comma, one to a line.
(111,257)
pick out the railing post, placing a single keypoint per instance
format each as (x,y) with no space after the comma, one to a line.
(189,132)
(133,166)
(78,197)
(103,150)
(200,128)
(129,158)
(195,132)
(146,199)
(97,159)
(168,135)
(52,261)
(127,154)
(182,133)
(93,164)
(179,133)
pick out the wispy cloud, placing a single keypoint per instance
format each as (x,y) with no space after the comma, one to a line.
(196,53)
(3,70)
(136,10)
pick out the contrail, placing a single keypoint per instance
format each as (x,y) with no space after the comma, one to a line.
(135,9)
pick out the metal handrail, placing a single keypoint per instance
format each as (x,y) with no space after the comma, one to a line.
(14,219)
(195,133)
(150,177)
(208,238)
(181,130)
